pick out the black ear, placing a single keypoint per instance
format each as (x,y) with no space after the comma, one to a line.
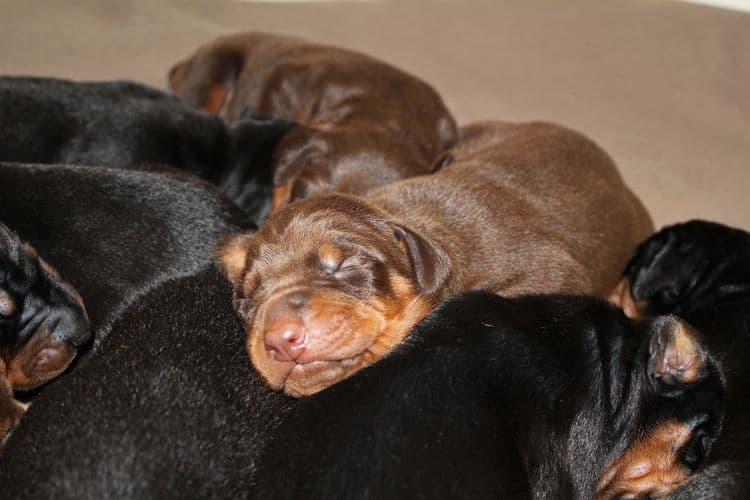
(430,264)
(207,79)
(676,354)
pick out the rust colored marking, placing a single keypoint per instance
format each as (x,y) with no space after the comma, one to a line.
(649,467)
(215,99)
(622,298)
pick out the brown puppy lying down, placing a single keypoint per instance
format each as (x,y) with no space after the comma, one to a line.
(331,283)
(364,123)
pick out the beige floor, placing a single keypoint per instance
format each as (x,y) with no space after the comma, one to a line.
(663,86)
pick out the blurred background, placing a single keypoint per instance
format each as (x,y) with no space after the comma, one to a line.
(663,86)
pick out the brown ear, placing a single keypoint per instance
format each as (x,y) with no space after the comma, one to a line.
(207,80)
(430,264)
(676,355)
(231,255)
(281,195)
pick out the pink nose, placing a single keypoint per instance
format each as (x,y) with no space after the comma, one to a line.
(285,339)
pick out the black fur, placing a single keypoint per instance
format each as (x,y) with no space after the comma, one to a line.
(167,405)
(115,234)
(701,271)
(723,481)
(492,397)
(128,125)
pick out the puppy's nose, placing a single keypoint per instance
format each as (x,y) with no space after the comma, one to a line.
(285,339)
(284,332)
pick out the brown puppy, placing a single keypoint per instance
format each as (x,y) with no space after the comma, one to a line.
(364,123)
(331,283)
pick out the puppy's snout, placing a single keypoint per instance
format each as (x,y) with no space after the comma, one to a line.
(284,330)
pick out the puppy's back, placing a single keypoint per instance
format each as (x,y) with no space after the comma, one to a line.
(530,192)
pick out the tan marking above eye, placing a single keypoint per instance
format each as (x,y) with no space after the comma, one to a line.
(330,256)
(249,283)
(7,304)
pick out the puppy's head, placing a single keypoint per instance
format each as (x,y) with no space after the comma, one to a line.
(313,160)
(678,408)
(327,286)
(43,322)
(678,264)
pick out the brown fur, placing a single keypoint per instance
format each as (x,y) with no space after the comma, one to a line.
(622,298)
(650,467)
(364,122)
(7,304)
(527,208)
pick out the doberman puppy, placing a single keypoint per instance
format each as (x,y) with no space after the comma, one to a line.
(113,234)
(364,123)
(43,323)
(331,283)
(529,397)
(700,271)
(125,124)
(165,405)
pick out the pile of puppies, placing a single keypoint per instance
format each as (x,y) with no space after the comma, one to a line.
(436,294)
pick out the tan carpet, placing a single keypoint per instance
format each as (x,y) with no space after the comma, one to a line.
(663,86)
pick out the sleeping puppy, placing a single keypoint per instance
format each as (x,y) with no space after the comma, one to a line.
(165,405)
(43,323)
(167,408)
(331,283)
(701,271)
(364,123)
(113,234)
(531,397)
(125,124)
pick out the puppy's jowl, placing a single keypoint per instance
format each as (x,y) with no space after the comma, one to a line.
(362,122)
(43,323)
(331,283)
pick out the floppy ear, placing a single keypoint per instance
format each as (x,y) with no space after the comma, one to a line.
(430,264)
(231,255)
(207,80)
(676,355)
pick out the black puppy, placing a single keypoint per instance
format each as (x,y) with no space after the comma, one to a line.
(168,407)
(701,271)
(43,323)
(165,405)
(125,124)
(115,234)
(511,398)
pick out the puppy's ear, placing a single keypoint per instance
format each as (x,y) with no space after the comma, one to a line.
(207,80)
(231,255)
(676,355)
(430,264)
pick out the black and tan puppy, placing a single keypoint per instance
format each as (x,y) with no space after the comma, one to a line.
(331,283)
(700,271)
(364,122)
(531,397)
(165,405)
(113,234)
(128,125)
(43,323)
